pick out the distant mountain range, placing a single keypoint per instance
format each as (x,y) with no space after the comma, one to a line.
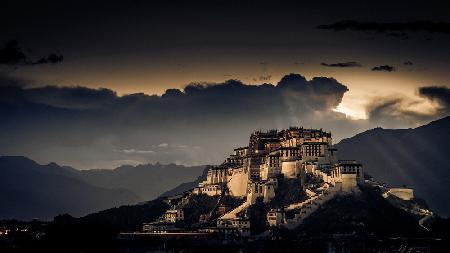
(30,190)
(186,186)
(147,181)
(417,157)
(413,157)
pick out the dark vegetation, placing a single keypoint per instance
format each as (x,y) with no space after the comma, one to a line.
(365,214)
(312,181)
(203,204)
(198,205)
(98,232)
(129,218)
(289,191)
(258,218)
(441,228)
(413,204)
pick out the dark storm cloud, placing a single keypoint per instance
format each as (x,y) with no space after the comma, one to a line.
(390,27)
(394,113)
(342,64)
(13,55)
(386,68)
(440,94)
(51,58)
(199,124)
(71,97)
(408,63)
(380,107)
(197,98)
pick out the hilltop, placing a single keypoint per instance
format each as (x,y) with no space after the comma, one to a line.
(413,157)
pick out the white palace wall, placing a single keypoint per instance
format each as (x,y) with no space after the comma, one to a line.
(402,193)
(237,182)
(290,169)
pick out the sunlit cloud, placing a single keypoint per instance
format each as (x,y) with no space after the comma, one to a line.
(163,145)
(351,112)
(136,151)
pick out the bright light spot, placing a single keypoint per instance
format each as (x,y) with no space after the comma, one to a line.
(163,145)
(352,112)
(136,151)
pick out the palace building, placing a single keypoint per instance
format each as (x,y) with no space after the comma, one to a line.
(253,173)
(255,168)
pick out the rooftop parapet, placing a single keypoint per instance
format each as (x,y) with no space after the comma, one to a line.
(348,162)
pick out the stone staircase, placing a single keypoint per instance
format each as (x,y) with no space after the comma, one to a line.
(306,208)
(232,214)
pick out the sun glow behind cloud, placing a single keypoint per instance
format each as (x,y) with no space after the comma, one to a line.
(351,112)
(353,105)
(356,109)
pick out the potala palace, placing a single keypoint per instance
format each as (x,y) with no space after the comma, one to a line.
(304,158)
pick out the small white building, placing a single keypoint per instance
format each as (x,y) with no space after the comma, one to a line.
(242,225)
(275,217)
(271,166)
(173,215)
(401,193)
(349,173)
(262,189)
(208,189)
(159,227)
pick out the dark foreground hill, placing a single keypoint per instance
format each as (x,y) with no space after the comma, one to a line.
(414,157)
(366,219)
(364,213)
(30,190)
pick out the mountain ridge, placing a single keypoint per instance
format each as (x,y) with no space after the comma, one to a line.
(31,190)
(415,157)
(148,181)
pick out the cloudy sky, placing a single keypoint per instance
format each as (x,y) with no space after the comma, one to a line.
(97,84)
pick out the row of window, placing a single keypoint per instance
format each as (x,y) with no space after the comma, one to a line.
(350,170)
